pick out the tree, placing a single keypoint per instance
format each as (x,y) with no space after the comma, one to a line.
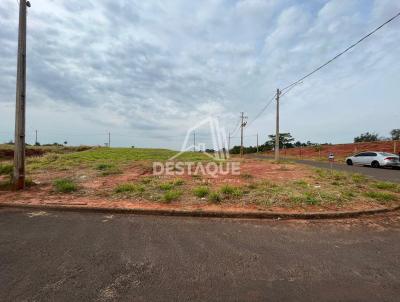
(366,137)
(285,139)
(395,133)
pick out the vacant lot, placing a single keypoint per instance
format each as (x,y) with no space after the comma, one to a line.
(122,177)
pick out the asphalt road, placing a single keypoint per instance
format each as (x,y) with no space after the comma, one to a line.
(64,256)
(385,174)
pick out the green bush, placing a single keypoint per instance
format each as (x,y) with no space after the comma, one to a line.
(172,195)
(6,169)
(201,191)
(129,188)
(65,186)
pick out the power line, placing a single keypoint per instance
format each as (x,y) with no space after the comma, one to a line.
(341,53)
(262,110)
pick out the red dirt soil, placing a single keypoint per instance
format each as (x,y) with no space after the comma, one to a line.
(341,150)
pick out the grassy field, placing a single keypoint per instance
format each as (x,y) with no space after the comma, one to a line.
(116,174)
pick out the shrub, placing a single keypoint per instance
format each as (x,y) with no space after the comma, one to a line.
(129,188)
(172,195)
(6,169)
(201,191)
(65,186)
(215,197)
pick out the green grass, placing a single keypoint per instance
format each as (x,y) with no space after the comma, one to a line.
(65,186)
(228,191)
(215,197)
(6,169)
(172,195)
(386,186)
(96,157)
(201,191)
(166,186)
(381,196)
(129,188)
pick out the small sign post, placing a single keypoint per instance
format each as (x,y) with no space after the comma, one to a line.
(331,158)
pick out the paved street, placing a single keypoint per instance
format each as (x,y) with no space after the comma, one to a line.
(385,174)
(67,256)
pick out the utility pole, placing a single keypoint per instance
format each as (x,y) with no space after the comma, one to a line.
(36,142)
(109,139)
(194,141)
(242,125)
(257,142)
(19,140)
(277,126)
(229,142)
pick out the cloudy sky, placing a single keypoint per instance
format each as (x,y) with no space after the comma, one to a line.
(148,70)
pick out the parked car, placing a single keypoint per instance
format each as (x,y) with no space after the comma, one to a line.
(374,159)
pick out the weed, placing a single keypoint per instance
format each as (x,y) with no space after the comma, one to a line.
(103,167)
(380,196)
(215,197)
(301,183)
(227,190)
(359,178)
(6,169)
(178,182)
(65,186)
(385,185)
(172,195)
(166,186)
(129,188)
(201,191)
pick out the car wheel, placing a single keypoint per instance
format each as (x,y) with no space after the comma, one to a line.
(375,164)
(349,162)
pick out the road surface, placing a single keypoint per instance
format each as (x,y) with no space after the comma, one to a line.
(385,174)
(67,256)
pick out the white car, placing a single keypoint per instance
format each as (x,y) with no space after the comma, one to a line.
(374,159)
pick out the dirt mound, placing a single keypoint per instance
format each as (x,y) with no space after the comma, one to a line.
(342,150)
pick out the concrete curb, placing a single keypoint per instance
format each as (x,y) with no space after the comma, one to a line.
(200,213)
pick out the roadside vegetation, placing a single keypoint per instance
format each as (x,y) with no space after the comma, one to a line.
(116,174)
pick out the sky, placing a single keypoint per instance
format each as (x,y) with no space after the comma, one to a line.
(147,71)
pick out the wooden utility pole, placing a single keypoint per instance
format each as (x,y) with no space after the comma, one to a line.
(19,140)
(109,139)
(242,125)
(36,141)
(257,142)
(194,141)
(277,126)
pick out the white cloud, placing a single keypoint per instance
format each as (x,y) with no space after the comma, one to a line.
(150,68)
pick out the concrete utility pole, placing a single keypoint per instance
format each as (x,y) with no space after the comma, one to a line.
(277,126)
(194,141)
(36,138)
(19,140)
(229,142)
(257,142)
(242,125)
(109,139)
